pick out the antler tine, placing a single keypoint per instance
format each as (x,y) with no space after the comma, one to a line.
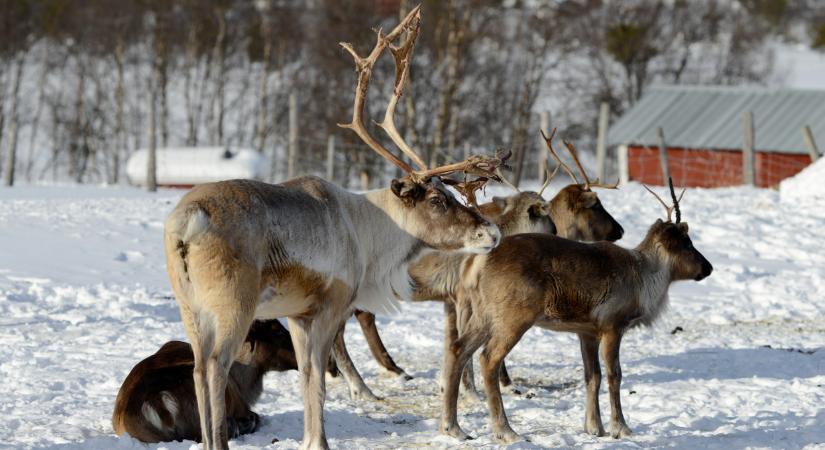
(549,177)
(506,181)
(675,200)
(481,166)
(572,150)
(402,56)
(669,209)
(548,142)
(364,68)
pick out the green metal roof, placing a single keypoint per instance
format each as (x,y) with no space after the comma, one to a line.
(710,117)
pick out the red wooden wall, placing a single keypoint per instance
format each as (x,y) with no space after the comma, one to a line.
(711,168)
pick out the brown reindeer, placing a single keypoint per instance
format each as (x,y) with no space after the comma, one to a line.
(312,252)
(156,402)
(597,290)
(575,213)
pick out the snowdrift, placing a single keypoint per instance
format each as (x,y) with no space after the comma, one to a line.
(808,185)
(194,165)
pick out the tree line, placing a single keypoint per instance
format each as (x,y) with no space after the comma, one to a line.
(83,83)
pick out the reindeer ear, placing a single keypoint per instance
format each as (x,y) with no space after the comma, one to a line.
(539,210)
(588,199)
(500,202)
(245,353)
(683,227)
(407,190)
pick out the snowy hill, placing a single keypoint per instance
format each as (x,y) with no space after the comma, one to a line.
(84,296)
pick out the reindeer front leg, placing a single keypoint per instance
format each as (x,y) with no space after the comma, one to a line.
(312,339)
(611,341)
(592,381)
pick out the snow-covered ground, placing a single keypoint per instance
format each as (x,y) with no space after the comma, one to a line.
(84,296)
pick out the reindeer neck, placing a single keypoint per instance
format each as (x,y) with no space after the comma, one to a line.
(379,219)
(655,275)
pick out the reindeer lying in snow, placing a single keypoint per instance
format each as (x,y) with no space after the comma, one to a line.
(598,291)
(156,402)
(575,212)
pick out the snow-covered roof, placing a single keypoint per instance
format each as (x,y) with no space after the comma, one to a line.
(195,165)
(710,117)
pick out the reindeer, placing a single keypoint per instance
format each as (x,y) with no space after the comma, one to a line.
(597,290)
(156,402)
(575,212)
(312,252)
(520,213)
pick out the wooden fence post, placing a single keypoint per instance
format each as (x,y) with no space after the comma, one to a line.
(544,123)
(748,176)
(810,143)
(601,140)
(330,157)
(663,157)
(293,135)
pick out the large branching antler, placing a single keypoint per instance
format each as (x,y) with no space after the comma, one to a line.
(587,183)
(675,206)
(481,166)
(364,68)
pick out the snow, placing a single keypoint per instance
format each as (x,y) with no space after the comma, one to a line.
(188,166)
(807,185)
(84,296)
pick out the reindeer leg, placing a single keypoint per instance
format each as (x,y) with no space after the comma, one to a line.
(592,380)
(491,358)
(358,390)
(458,322)
(504,377)
(379,352)
(201,341)
(611,341)
(312,339)
(455,358)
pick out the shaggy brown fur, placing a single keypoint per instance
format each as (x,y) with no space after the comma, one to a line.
(595,290)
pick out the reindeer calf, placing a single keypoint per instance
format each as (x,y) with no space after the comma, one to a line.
(596,290)
(156,402)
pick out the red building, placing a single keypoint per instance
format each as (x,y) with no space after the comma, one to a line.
(704,134)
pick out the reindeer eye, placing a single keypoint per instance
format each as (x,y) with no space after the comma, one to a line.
(436,201)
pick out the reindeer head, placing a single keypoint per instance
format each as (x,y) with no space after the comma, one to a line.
(576,209)
(579,215)
(431,213)
(674,245)
(438,219)
(268,346)
(524,212)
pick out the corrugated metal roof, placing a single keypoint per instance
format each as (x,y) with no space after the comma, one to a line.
(705,117)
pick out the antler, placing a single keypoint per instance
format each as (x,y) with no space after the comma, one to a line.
(364,68)
(549,177)
(402,56)
(481,166)
(587,183)
(548,141)
(676,201)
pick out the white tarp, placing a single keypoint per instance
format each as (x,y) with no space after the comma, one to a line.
(195,165)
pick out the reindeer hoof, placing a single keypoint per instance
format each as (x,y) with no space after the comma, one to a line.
(404,376)
(456,432)
(594,429)
(365,395)
(507,437)
(619,431)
